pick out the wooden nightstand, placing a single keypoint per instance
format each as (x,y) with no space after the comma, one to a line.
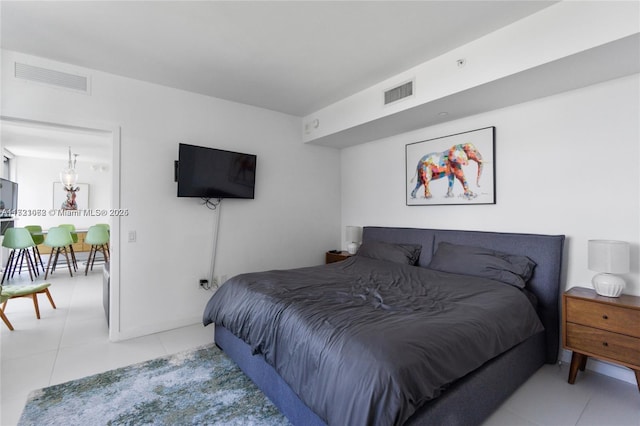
(607,328)
(337,257)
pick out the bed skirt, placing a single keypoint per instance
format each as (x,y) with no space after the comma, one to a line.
(469,401)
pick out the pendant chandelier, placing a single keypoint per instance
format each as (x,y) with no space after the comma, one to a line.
(69,176)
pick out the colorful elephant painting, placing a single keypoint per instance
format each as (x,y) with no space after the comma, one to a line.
(449,163)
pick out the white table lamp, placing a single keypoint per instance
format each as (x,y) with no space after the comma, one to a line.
(609,258)
(354,238)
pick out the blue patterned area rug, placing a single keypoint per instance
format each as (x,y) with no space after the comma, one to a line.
(199,387)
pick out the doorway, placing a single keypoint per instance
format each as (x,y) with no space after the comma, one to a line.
(37,153)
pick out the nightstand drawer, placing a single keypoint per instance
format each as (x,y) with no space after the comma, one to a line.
(606,317)
(603,343)
(332,256)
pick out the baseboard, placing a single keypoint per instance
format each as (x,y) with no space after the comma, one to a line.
(135,332)
(605,368)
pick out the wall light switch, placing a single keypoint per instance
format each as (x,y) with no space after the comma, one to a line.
(132,236)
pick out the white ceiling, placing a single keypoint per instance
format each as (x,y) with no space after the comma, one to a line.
(27,139)
(295,57)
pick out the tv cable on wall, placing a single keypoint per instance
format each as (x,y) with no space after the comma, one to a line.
(214,174)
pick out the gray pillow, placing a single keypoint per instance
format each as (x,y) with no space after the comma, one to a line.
(481,262)
(399,253)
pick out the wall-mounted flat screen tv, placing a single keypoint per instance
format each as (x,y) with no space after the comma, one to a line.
(8,203)
(8,198)
(214,173)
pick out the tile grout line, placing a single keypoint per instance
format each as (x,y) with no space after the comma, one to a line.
(64,329)
(584,409)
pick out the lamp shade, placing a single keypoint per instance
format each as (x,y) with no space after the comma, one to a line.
(611,257)
(354,234)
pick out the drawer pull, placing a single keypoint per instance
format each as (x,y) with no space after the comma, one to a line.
(605,344)
(605,317)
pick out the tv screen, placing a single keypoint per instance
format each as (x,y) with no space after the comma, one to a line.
(214,173)
(8,204)
(8,198)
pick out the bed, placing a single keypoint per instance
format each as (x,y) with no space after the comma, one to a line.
(382,339)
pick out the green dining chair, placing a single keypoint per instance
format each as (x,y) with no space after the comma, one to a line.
(74,238)
(38,238)
(108,228)
(98,237)
(58,239)
(31,290)
(105,225)
(19,241)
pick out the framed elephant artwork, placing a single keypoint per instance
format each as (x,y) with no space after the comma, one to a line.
(454,169)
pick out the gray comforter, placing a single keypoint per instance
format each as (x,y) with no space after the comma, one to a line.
(367,342)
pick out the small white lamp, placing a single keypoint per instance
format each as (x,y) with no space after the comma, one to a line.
(608,257)
(354,237)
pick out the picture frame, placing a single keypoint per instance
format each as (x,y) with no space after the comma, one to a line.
(60,196)
(446,162)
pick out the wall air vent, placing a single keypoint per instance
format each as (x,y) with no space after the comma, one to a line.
(399,92)
(52,77)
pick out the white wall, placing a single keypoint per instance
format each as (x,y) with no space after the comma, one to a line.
(35,178)
(567,164)
(294,218)
(561,30)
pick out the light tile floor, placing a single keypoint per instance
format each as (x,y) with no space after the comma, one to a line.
(547,399)
(72,342)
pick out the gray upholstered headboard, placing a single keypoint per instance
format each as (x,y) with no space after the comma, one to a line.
(545,250)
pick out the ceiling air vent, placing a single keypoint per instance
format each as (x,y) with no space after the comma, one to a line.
(52,77)
(399,92)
